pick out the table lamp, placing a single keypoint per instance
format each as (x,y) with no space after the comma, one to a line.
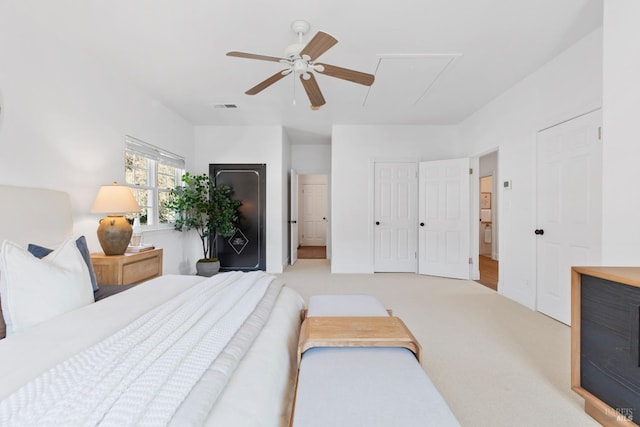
(114,231)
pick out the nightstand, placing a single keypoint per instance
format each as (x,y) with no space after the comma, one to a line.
(127,269)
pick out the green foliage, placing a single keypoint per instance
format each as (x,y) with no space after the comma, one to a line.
(202,206)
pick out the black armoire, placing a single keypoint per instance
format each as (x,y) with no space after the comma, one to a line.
(245,249)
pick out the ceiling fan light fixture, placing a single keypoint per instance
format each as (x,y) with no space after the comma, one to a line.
(300,67)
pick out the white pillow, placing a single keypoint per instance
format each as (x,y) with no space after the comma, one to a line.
(34,290)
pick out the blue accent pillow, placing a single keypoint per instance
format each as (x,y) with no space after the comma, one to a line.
(81,243)
(3,326)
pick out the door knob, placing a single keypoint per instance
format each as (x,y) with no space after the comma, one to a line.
(422,224)
(377,222)
(294,222)
(539,232)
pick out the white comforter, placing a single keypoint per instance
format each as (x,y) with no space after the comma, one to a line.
(169,365)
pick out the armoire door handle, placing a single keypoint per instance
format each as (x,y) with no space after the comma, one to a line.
(377,222)
(422,224)
(539,232)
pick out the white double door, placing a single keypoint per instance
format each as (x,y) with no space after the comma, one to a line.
(421,217)
(396,216)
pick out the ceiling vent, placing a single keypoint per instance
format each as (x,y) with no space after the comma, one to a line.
(225,106)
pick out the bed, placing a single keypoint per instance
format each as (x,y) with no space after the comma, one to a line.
(187,350)
(111,361)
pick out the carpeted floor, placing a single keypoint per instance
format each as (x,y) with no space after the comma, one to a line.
(496,362)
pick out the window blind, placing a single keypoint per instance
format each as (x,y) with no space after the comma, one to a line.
(136,146)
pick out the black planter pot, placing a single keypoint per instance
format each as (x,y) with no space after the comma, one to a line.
(207,267)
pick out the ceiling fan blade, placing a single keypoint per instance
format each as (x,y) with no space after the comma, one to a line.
(266,83)
(255,56)
(347,74)
(318,45)
(313,90)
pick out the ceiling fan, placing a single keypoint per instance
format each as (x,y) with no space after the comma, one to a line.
(300,60)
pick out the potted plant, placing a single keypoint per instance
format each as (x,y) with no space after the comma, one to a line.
(202,206)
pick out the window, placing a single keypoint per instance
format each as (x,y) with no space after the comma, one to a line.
(151,172)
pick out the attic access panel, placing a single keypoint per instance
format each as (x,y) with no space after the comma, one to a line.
(405,79)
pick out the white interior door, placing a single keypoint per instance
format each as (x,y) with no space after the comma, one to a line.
(293,224)
(314,215)
(395,216)
(569,204)
(444,215)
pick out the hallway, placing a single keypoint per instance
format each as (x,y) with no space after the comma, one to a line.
(312,252)
(488,272)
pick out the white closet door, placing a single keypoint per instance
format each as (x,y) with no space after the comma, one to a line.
(569,209)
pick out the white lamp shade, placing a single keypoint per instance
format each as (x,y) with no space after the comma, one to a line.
(115,199)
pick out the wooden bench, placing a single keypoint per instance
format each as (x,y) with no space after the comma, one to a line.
(356,332)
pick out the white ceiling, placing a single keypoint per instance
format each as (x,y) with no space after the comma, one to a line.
(436,61)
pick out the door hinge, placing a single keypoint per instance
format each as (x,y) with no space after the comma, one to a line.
(470,171)
(470,260)
(600,133)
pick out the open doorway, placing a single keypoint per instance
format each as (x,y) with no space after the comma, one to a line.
(312,216)
(488,247)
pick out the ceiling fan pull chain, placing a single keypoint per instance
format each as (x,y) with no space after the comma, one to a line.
(294,91)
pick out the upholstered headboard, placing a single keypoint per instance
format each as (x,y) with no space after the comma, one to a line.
(34,215)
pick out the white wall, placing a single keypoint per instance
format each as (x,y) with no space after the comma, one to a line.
(354,148)
(567,86)
(286,200)
(621,148)
(252,144)
(311,158)
(63,123)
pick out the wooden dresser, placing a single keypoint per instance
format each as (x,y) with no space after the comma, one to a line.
(605,348)
(127,269)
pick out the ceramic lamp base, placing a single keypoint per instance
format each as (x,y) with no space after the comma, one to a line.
(114,234)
